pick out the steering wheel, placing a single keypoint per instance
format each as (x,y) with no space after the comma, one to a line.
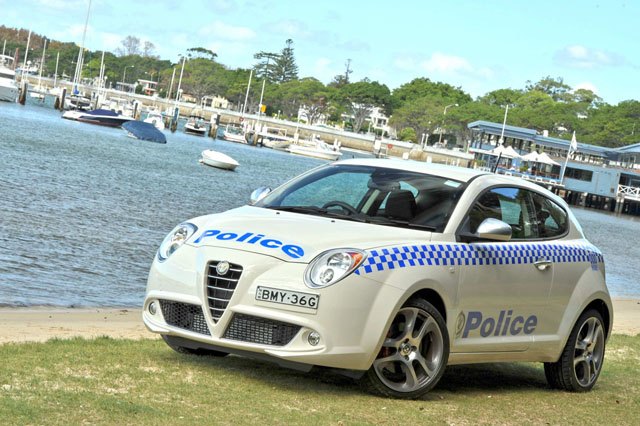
(345,206)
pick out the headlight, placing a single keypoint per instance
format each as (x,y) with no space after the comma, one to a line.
(175,239)
(332,266)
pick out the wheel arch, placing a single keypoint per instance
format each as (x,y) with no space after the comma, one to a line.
(432,296)
(603,309)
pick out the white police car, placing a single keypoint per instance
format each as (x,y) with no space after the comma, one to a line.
(389,270)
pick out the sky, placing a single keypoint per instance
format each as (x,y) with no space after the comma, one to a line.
(477,45)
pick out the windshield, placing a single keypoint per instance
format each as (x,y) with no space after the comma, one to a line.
(383,196)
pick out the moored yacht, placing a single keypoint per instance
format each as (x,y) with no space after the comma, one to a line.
(8,85)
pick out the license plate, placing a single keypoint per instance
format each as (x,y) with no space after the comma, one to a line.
(286,297)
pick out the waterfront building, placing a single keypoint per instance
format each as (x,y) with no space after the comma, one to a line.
(594,176)
(148,87)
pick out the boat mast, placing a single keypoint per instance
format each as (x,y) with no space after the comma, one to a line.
(246,97)
(78,75)
(44,49)
(26,53)
(55,74)
(173,76)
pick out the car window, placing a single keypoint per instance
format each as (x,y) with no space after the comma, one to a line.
(392,197)
(513,206)
(552,220)
(530,215)
(349,187)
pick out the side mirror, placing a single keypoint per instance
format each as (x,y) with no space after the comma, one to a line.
(259,194)
(494,229)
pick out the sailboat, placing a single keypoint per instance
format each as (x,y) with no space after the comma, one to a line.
(76,100)
(39,92)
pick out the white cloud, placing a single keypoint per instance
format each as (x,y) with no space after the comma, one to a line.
(578,56)
(109,41)
(450,65)
(441,63)
(405,63)
(72,33)
(225,31)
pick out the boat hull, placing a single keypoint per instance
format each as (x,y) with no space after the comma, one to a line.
(218,160)
(8,93)
(314,153)
(103,121)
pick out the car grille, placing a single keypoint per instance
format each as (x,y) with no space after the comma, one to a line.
(220,288)
(184,315)
(264,331)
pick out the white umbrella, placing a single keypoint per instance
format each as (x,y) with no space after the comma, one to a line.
(506,152)
(531,157)
(545,159)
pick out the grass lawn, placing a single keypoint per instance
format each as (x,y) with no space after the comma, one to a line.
(107,381)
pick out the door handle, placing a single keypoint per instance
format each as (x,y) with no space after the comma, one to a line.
(542,264)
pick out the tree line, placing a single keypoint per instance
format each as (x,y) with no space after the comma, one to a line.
(416,108)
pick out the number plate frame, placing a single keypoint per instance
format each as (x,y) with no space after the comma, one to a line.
(287,297)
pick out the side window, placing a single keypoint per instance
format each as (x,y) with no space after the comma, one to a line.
(513,206)
(550,218)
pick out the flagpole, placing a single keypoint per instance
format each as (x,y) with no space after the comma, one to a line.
(504,123)
(572,148)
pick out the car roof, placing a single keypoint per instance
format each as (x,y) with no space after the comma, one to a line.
(460,174)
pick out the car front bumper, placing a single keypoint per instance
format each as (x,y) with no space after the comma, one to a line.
(351,318)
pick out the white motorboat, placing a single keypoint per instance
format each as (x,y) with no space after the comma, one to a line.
(218,159)
(8,85)
(101,117)
(234,134)
(315,149)
(195,126)
(155,117)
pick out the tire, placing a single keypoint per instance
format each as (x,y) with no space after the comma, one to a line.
(582,358)
(414,354)
(191,351)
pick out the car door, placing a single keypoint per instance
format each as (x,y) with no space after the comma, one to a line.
(503,291)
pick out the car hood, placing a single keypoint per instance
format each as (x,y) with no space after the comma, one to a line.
(293,237)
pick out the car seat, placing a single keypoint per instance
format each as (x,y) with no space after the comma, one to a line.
(400,205)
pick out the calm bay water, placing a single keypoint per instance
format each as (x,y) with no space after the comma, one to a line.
(84,208)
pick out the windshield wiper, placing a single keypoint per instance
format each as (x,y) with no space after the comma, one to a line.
(400,222)
(299,209)
(319,211)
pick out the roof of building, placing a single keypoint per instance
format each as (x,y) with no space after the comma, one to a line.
(547,141)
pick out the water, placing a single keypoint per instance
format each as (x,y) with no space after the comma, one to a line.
(83,208)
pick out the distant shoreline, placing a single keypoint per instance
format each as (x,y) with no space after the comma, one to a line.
(41,323)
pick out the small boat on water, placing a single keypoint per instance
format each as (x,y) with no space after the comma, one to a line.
(315,149)
(8,85)
(144,131)
(76,102)
(218,159)
(101,117)
(195,126)
(234,134)
(155,117)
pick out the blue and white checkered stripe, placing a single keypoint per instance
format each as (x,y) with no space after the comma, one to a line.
(477,255)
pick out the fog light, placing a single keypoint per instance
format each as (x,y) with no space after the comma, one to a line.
(313,338)
(153,308)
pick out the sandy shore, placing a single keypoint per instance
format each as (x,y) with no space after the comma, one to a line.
(42,324)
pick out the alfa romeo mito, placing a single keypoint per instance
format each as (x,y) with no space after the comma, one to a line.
(388,271)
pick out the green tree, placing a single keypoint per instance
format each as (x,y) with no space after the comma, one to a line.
(362,97)
(201,52)
(554,87)
(424,115)
(285,68)
(265,68)
(423,87)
